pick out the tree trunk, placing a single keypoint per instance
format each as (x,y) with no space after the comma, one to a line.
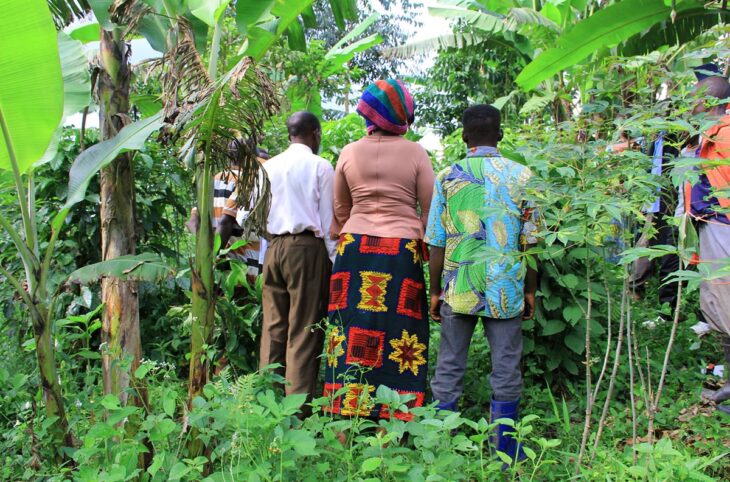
(120,318)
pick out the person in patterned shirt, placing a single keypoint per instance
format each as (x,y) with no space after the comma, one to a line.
(478,223)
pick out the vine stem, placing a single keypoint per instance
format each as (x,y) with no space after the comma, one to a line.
(608,342)
(589,390)
(667,353)
(616,364)
(629,322)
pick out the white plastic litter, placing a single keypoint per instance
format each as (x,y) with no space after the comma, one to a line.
(701,328)
(716,370)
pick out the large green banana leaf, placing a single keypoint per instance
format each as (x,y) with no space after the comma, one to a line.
(90,161)
(31,83)
(609,26)
(76,87)
(142,267)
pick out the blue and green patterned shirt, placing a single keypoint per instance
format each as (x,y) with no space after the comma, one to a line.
(478,214)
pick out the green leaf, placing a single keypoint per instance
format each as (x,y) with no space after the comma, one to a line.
(573,313)
(168,403)
(575,341)
(157,462)
(75,71)
(209,11)
(155,28)
(31,82)
(569,280)
(371,464)
(552,327)
(346,48)
(146,104)
(178,471)
(110,402)
(251,12)
(99,155)
(142,370)
(101,12)
(302,442)
(688,25)
(309,17)
(295,36)
(608,26)
(537,103)
(484,20)
(90,355)
(89,32)
(145,267)
(76,87)
(260,40)
(338,13)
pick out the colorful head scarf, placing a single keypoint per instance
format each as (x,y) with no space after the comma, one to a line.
(387,104)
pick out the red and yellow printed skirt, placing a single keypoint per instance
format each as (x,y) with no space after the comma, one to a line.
(378,325)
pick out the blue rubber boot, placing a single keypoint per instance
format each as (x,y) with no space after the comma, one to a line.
(500,440)
(450,406)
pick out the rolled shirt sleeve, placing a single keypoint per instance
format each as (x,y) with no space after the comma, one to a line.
(435,232)
(425,187)
(326,205)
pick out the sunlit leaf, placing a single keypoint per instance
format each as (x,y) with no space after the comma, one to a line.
(31,82)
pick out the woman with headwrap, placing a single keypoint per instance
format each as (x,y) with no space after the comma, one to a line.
(378,319)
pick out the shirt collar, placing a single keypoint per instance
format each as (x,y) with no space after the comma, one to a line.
(296,147)
(482,151)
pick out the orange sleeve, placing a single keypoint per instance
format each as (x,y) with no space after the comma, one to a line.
(718,148)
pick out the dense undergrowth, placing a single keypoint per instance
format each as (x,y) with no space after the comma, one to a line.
(253,432)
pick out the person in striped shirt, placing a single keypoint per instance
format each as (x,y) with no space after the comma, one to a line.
(228,216)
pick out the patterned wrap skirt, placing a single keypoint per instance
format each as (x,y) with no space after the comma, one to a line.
(378,325)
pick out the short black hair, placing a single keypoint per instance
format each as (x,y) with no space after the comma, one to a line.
(717,87)
(236,148)
(302,123)
(482,121)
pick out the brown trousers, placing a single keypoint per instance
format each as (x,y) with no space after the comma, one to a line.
(295,295)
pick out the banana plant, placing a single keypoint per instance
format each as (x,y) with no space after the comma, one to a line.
(36,86)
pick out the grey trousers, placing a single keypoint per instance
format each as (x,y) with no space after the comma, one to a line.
(505,342)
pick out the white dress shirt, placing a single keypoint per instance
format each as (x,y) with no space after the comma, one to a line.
(301,194)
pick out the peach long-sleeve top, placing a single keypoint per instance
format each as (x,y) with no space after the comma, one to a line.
(380,183)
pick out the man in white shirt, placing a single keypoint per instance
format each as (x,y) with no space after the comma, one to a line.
(298,261)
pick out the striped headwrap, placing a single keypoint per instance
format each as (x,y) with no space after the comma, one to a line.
(387,104)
